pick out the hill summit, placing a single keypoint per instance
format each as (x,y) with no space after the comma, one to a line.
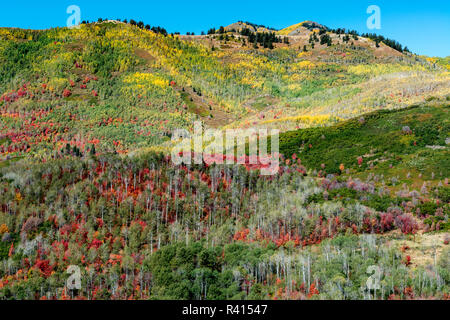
(301,27)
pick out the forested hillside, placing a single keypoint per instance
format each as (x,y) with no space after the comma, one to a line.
(86,178)
(122,88)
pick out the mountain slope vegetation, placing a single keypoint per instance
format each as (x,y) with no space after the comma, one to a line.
(86,177)
(127,88)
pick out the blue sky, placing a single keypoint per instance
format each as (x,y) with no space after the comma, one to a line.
(423,26)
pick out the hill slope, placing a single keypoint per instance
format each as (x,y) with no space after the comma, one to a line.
(382,139)
(123,88)
(149,229)
(301,27)
(363,181)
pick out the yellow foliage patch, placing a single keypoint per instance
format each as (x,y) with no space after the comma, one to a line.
(3,229)
(288,30)
(144,79)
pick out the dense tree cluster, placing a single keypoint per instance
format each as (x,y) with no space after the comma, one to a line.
(139,24)
(257,26)
(144,228)
(325,39)
(264,39)
(377,38)
(389,42)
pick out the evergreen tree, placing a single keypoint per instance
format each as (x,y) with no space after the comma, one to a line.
(92,151)
(325,39)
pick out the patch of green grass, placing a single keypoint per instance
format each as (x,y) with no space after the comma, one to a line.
(379,139)
(192,107)
(382,203)
(444,194)
(6,163)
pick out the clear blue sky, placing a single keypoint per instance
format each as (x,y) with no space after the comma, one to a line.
(423,26)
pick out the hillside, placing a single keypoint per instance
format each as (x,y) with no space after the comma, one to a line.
(383,139)
(87,180)
(148,220)
(123,88)
(301,27)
